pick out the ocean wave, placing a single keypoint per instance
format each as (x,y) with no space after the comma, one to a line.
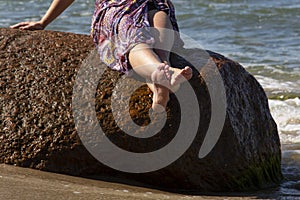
(287,116)
(279,88)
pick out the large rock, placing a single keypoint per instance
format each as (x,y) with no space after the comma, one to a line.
(38,72)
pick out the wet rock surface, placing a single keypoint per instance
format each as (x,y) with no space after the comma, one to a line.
(37,77)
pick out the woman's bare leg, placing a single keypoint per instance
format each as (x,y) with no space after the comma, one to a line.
(164,39)
(149,63)
(163,34)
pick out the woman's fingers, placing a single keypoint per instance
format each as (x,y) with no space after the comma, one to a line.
(32,27)
(28,26)
(18,25)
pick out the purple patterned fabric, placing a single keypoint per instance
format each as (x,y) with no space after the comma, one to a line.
(119,25)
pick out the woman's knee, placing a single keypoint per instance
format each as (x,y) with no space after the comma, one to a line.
(160,19)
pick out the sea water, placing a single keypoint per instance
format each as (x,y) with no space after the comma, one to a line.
(262,35)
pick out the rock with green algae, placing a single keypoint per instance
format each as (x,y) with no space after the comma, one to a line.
(37,76)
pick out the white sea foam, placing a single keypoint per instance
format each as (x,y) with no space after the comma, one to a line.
(286,113)
(287,116)
(278,86)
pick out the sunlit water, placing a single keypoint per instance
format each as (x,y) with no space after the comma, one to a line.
(262,35)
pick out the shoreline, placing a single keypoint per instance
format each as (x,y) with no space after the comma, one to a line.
(18,183)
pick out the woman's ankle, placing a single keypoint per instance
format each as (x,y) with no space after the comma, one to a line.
(160,98)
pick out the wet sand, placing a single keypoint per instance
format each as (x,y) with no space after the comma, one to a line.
(21,183)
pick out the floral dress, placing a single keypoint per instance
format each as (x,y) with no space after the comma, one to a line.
(119,25)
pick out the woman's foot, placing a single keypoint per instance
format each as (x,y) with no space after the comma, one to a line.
(164,81)
(161,79)
(178,76)
(181,75)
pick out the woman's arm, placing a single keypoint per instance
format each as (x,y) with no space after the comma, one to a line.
(55,9)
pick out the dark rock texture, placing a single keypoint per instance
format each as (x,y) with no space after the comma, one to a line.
(37,129)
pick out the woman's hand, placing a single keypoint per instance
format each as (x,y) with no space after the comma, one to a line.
(29,26)
(55,9)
